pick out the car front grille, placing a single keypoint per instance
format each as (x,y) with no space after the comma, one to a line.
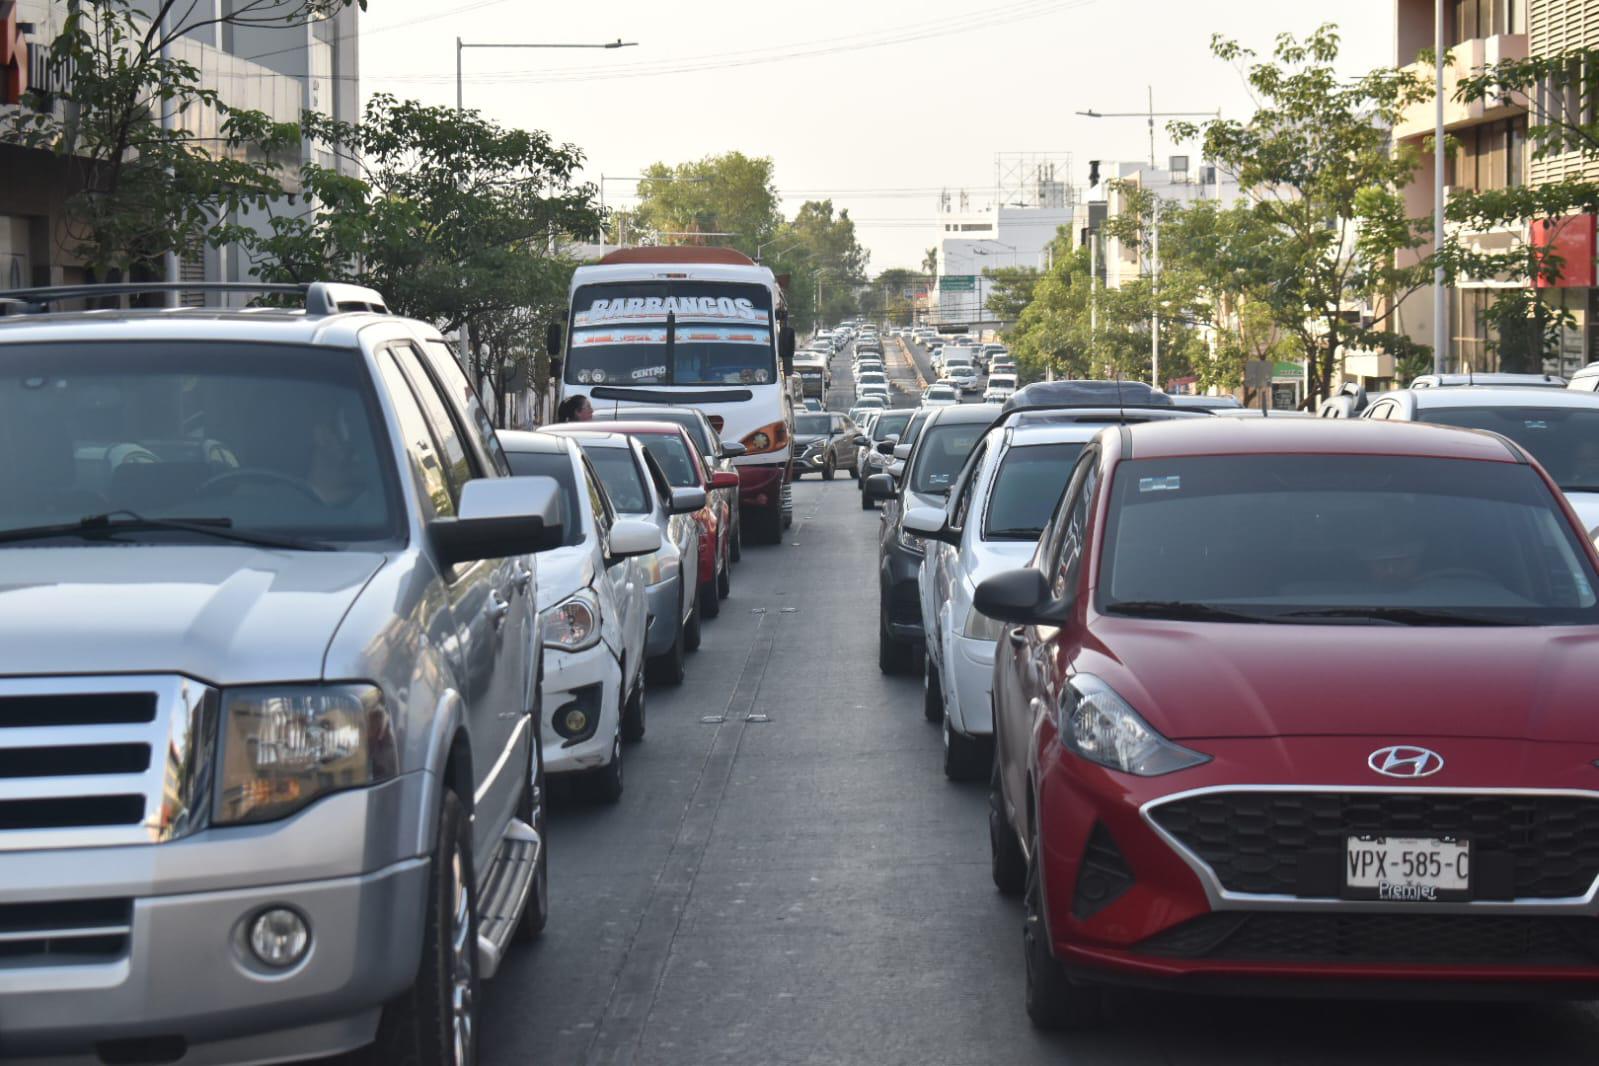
(95,762)
(64,931)
(1287,936)
(1524,846)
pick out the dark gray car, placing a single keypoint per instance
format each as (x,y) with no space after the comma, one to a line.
(824,444)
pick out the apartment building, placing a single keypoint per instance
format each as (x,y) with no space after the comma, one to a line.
(281,71)
(1490,151)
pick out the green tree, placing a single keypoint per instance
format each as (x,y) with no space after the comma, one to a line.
(452,217)
(818,249)
(1010,291)
(1325,190)
(139,190)
(730,193)
(897,288)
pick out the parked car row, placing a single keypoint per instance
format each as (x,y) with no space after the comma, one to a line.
(1273,704)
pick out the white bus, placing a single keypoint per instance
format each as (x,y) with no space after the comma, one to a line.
(701,327)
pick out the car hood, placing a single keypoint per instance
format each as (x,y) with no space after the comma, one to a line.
(222,614)
(562,571)
(1212,679)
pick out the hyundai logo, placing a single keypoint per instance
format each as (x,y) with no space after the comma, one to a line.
(1404,761)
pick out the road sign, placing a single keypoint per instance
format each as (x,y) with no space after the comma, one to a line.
(1257,374)
(957,283)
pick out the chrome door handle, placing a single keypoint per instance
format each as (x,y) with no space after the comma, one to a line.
(521,576)
(498,607)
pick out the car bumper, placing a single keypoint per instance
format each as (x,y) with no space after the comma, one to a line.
(590,679)
(901,596)
(182,976)
(666,605)
(969,677)
(1135,895)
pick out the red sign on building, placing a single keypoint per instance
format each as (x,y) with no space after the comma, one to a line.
(13,55)
(1572,239)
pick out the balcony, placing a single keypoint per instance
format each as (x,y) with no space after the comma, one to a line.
(1418,120)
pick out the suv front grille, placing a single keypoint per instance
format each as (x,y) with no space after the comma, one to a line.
(1286,936)
(1524,846)
(92,762)
(63,930)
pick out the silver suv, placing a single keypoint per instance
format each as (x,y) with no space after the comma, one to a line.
(270,783)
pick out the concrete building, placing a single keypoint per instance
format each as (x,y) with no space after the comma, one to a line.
(1491,152)
(281,71)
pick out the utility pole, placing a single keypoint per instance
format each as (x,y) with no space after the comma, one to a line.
(1154,298)
(1440,295)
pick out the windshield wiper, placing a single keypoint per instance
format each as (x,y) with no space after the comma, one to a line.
(1182,610)
(1408,616)
(112,522)
(1016,534)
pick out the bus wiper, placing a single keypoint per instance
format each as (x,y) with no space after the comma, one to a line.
(1408,616)
(671,343)
(1182,611)
(113,522)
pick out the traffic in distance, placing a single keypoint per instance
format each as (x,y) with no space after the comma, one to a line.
(306,664)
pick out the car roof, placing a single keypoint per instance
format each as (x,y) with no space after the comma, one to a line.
(1051,433)
(528,442)
(599,438)
(642,428)
(646,414)
(263,325)
(1501,396)
(967,412)
(1331,436)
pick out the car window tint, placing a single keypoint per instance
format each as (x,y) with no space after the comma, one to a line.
(1074,529)
(1026,489)
(418,441)
(620,476)
(459,466)
(597,499)
(968,485)
(1564,440)
(453,378)
(558,467)
(942,453)
(672,454)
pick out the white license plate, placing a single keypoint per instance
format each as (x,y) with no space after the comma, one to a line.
(1418,869)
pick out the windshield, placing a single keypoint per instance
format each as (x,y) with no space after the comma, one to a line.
(941,392)
(1564,440)
(620,476)
(557,466)
(675,461)
(811,425)
(889,424)
(685,417)
(1312,536)
(723,334)
(1026,489)
(941,454)
(272,438)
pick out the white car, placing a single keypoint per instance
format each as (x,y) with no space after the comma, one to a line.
(593,617)
(965,377)
(1000,388)
(997,508)
(941,394)
(865,405)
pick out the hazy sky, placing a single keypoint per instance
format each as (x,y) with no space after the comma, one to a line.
(876,104)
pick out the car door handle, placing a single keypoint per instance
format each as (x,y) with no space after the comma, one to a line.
(1018,638)
(521,576)
(498,607)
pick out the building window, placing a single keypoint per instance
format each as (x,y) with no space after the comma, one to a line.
(1469,330)
(1469,20)
(1490,156)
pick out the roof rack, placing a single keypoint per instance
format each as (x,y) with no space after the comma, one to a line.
(321,297)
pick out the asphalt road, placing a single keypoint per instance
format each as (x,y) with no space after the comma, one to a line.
(790,879)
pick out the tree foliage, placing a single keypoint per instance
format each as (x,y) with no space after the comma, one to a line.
(730,193)
(825,262)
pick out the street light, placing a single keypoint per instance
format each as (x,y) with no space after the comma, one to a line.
(461,46)
(1151,115)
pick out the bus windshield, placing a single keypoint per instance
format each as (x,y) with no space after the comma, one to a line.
(722,336)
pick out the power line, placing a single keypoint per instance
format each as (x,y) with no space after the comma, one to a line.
(359,34)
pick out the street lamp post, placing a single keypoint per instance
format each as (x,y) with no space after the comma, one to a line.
(1440,297)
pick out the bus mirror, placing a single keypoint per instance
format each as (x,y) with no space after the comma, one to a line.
(552,340)
(785,347)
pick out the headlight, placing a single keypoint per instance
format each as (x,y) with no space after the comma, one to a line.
(981,627)
(767,438)
(286,746)
(573,624)
(1097,724)
(911,542)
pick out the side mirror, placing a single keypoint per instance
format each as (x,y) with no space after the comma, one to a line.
(902,452)
(886,447)
(930,522)
(552,340)
(862,441)
(724,479)
(880,487)
(732,449)
(785,347)
(686,500)
(1020,597)
(896,469)
(634,536)
(498,518)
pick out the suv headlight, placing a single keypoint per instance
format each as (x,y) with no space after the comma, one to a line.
(285,746)
(981,627)
(573,624)
(1097,724)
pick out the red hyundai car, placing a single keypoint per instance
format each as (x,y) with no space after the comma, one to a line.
(671,447)
(1300,707)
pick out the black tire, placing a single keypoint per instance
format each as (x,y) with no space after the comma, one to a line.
(965,758)
(1006,862)
(829,468)
(710,605)
(692,633)
(605,784)
(536,915)
(866,501)
(736,541)
(670,667)
(932,692)
(633,716)
(420,1026)
(893,656)
(855,472)
(724,580)
(1054,1002)
(768,524)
